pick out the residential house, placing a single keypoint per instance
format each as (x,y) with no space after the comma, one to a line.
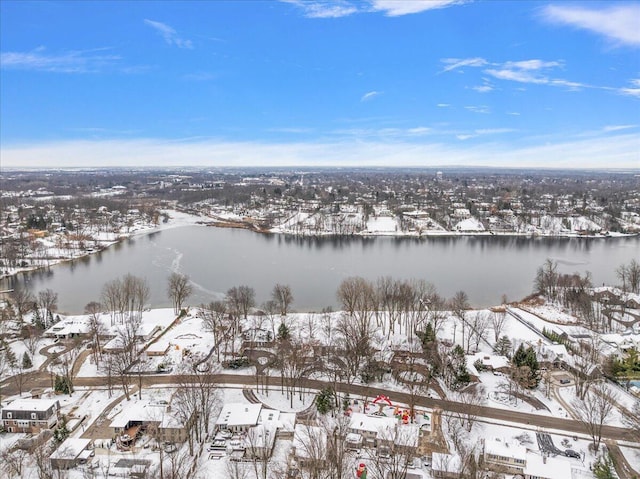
(238,417)
(30,415)
(505,457)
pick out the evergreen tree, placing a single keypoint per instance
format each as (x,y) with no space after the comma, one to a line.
(503,346)
(428,336)
(603,468)
(62,385)
(324,401)
(9,355)
(527,358)
(61,432)
(26,361)
(283,332)
(37,319)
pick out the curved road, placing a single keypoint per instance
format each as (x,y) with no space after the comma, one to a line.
(484,412)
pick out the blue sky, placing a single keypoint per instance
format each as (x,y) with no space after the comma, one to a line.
(379,82)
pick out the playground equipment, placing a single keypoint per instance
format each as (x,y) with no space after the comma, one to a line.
(380,402)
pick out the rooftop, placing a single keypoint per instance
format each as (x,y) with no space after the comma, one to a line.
(70,448)
(239,414)
(30,404)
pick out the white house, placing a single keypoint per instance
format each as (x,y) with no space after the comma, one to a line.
(238,417)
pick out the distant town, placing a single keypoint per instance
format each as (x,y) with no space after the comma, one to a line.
(52,216)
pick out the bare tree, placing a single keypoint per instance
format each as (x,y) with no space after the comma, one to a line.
(631,419)
(629,275)
(40,455)
(479,328)
(125,297)
(23,301)
(241,299)
(237,470)
(356,296)
(197,398)
(354,344)
(214,321)
(96,328)
(436,313)
(110,297)
(13,461)
(127,352)
(32,337)
(292,362)
(546,280)
(283,297)
(396,449)
(459,305)
(179,289)
(471,399)
(594,409)
(179,464)
(341,463)
(498,320)
(48,303)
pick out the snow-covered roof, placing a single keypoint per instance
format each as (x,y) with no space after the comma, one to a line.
(159,346)
(551,468)
(364,422)
(501,448)
(142,410)
(30,405)
(70,448)
(492,360)
(70,325)
(269,416)
(239,414)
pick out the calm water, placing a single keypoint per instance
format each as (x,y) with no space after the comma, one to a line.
(217,259)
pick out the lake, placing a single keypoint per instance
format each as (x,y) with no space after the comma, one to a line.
(218,258)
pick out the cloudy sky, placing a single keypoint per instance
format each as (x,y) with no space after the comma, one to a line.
(352,83)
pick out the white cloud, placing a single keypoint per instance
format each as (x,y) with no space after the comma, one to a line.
(443,105)
(634,90)
(200,76)
(370,95)
(73,61)
(609,151)
(391,8)
(531,65)
(483,131)
(421,130)
(479,109)
(455,63)
(324,9)
(395,8)
(169,34)
(620,23)
(610,128)
(523,71)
